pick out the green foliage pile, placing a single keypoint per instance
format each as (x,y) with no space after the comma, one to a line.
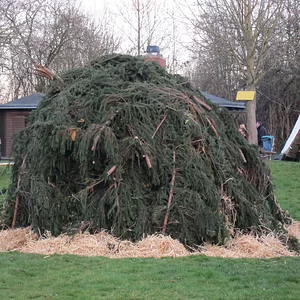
(122,145)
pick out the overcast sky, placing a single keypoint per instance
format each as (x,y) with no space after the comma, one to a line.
(183,39)
(97,5)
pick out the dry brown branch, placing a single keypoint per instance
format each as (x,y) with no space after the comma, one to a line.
(45,72)
(193,105)
(111,170)
(202,103)
(18,194)
(148,161)
(212,127)
(164,118)
(116,185)
(241,171)
(170,92)
(171,194)
(197,141)
(243,156)
(15,211)
(50,183)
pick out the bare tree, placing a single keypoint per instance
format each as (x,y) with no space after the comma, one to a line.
(215,73)
(243,30)
(54,33)
(142,23)
(278,92)
(175,52)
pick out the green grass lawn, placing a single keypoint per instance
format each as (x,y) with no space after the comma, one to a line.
(28,276)
(4,176)
(286,178)
(71,277)
(4,182)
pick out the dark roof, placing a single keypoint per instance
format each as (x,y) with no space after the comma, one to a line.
(27,102)
(230,105)
(32,101)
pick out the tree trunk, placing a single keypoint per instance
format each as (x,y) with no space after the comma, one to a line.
(251,120)
(139,28)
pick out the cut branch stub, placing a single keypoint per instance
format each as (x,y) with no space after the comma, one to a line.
(202,103)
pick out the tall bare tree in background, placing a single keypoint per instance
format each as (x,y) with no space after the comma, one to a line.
(176,52)
(54,33)
(215,73)
(242,32)
(279,102)
(143,23)
(5,33)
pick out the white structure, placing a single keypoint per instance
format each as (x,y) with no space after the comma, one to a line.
(292,145)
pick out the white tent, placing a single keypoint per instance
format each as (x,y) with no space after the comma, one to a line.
(292,145)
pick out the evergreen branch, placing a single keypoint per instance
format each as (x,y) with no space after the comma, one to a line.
(125,181)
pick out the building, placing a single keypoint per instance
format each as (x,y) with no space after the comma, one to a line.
(13,119)
(236,107)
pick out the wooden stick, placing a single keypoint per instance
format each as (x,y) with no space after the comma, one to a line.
(171,194)
(111,170)
(196,141)
(96,139)
(243,156)
(202,103)
(195,107)
(116,185)
(241,171)
(50,183)
(212,126)
(15,212)
(17,196)
(148,161)
(90,188)
(45,72)
(164,118)
(221,190)
(192,104)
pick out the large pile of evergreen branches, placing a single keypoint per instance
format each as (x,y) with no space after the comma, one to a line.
(122,145)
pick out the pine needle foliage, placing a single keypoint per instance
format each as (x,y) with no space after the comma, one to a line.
(123,145)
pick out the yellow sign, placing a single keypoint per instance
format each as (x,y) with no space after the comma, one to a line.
(245,95)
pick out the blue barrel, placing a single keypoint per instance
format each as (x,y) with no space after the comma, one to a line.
(268,141)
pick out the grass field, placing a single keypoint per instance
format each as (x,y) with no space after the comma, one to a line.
(28,276)
(4,176)
(4,181)
(286,177)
